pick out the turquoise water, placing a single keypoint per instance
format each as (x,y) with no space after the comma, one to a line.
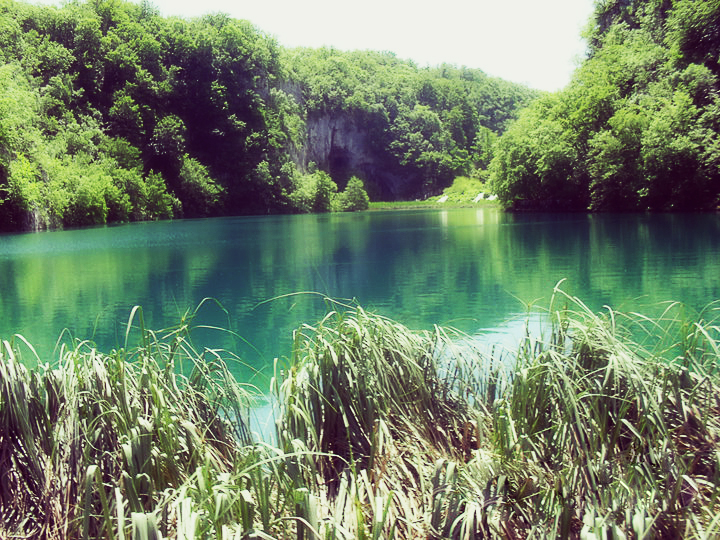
(474,269)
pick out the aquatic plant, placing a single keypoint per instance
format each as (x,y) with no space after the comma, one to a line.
(90,446)
(593,433)
(605,425)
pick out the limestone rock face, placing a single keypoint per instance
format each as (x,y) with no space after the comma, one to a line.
(342,145)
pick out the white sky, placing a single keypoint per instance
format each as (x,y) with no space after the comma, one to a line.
(536,42)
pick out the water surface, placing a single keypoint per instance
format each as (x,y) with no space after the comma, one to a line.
(474,269)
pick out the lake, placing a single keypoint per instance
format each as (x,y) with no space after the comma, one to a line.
(473,269)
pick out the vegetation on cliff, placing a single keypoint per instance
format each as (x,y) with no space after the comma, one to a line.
(111,112)
(421,127)
(606,426)
(636,129)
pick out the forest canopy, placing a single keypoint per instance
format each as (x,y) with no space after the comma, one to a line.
(111,112)
(636,129)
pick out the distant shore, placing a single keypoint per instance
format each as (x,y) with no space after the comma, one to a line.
(428,204)
(464,192)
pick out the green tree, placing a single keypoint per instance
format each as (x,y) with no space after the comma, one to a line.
(168,140)
(325,190)
(536,160)
(199,194)
(157,202)
(353,198)
(124,114)
(314,192)
(614,164)
(693,32)
(674,175)
(126,120)
(637,128)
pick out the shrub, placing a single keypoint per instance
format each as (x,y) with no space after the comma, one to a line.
(314,193)
(355,198)
(198,192)
(158,203)
(87,203)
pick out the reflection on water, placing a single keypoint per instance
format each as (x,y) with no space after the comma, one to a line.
(473,269)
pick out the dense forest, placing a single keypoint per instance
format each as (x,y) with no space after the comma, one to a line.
(111,112)
(636,129)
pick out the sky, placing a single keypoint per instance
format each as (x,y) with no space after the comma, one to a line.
(534,42)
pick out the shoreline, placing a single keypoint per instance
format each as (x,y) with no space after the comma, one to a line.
(428,205)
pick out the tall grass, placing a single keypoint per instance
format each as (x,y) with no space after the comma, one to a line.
(363,398)
(608,426)
(91,446)
(623,440)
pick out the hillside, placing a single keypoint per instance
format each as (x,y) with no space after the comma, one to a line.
(110,112)
(636,129)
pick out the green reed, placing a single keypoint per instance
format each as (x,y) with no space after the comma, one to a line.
(607,425)
(91,445)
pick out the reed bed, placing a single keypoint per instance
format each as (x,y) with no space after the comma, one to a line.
(95,445)
(607,426)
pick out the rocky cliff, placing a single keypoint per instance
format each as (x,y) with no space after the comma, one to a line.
(342,144)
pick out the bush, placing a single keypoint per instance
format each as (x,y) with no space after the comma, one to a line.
(354,198)
(88,205)
(199,193)
(314,193)
(158,203)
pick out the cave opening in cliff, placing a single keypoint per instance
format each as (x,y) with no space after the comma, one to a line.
(339,165)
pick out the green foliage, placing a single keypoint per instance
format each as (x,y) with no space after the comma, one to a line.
(125,89)
(73,176)
(87,205)
(465,189)
(199,193)
(614,161)
(314,193)
(535,160)
(426,125)
(24,184)
(221,113)
(157,202)
(636,129)
(17,105)
(693,32)
(82,192)
(125,117)
(354,198)
(169,138)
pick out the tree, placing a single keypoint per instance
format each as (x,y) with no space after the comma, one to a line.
(354,198)
(125,117)
(637,128)
(535,163)
(124,114)
(325,190)
(694,32)
(614,164)
(157,202)
(199,193)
